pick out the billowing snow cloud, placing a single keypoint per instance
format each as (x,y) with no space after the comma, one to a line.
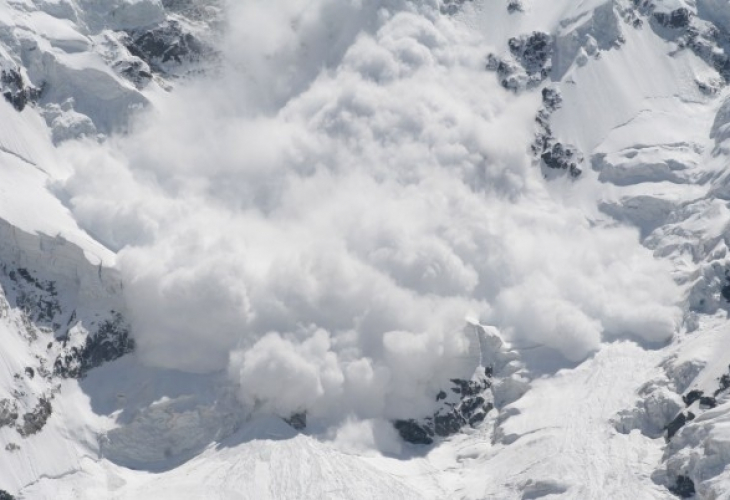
(321,218)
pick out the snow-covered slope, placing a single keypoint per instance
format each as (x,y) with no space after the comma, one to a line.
(364,249)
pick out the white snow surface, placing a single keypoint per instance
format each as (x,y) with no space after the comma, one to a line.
(318,227)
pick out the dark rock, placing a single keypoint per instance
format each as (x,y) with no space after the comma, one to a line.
(712,45)
(37,298)
(530,64)
(35,420)
(533,52)
(412,432)
(724,383)
(25,274)
(195,10)
(514,6)
(679,421)
(563,157)
(111,341)
(692,396)
(15,90)
(725,290)
(298,420)
(137,72)
(164,44)
(551,98)
(709,42)
(684,487)
(677,19)
(554,154)
(4,495)
(469,387)
(470,408)
(449,423)
(8,412)
(506,72)
(29,372)
(708,402)
(479,416)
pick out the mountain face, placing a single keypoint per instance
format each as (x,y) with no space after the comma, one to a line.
(364,249)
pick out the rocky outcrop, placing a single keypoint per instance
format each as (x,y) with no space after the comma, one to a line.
(468,402)
(688,418)
(676,19)
(111,341)
(297,421)
(29,423)
(552,153)
(69,315)
(697,395)
(165,45)
(660,408)
(16,90)
(560,157)
(8,412)
(176,45)
(683,487)
(699,29)
(35,420)
(136,71)
(656,412)
(40,300)
(470,407)
(528,64)
(414,432)
(533,52)
(679,421)
(139,43)
(710,43)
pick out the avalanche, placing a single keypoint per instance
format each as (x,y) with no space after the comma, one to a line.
(364,249)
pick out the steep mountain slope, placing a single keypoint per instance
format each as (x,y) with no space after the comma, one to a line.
(251,250)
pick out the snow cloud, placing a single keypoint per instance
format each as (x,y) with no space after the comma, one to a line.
(322,217)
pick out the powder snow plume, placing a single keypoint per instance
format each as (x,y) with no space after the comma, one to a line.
(321,217)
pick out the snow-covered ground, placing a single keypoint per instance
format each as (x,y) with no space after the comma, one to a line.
(219,217)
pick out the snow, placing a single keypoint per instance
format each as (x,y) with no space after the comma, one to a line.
(267,462)
(61,33)
(557,438)
(26,201)
(274,250)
